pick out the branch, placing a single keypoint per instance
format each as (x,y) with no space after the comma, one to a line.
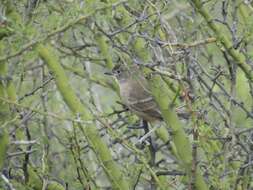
(162,96)
(61,29)
(191,45)
(238,57)
(90,131)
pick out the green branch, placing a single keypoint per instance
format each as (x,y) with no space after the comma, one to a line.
(238,57)
(161,94)
(90,131)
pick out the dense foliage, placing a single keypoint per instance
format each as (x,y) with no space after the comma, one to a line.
(62,123)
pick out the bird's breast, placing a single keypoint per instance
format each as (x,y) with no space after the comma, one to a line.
(125,89)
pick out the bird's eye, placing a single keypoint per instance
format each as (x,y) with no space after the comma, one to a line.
(118,71)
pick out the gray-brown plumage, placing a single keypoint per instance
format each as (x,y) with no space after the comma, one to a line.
(135,93)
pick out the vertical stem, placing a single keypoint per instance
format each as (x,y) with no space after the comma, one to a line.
(161,93)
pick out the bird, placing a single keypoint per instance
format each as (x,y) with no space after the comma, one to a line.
(135,92)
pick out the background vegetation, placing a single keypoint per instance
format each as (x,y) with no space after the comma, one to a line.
(62,125)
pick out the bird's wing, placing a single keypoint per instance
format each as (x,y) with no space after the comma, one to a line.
(141,100)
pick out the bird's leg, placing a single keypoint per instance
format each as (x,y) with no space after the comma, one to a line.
(149,140)
(148,132)
(152,149)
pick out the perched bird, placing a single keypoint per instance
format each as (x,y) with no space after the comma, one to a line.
(135,93)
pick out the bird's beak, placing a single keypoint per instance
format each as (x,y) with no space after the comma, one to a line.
(108,73)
